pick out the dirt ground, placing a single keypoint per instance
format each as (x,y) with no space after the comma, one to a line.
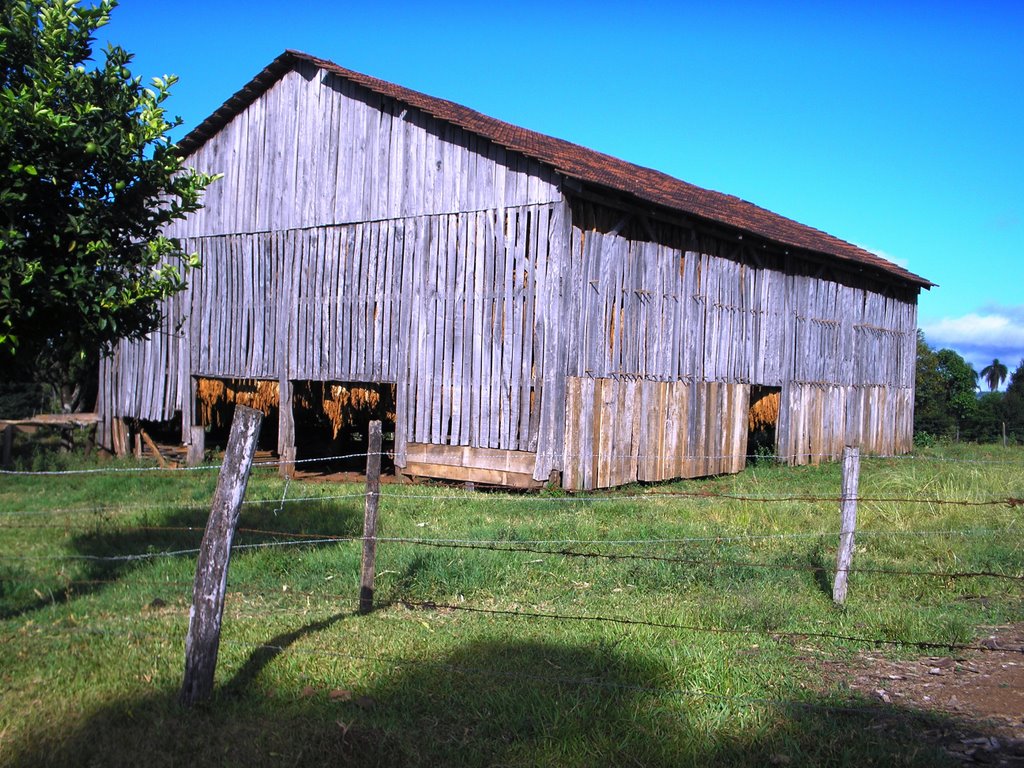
(981,692)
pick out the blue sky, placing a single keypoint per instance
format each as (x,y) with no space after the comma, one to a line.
(895,126)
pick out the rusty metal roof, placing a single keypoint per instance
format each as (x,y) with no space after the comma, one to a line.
(576,162)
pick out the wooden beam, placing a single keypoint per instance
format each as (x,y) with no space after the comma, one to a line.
(196,446)
(848,526)
(472,475)
(153,449)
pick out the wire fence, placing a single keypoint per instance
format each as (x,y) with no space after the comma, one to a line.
(483,453)
(316,539)
(594,550)
(652,497)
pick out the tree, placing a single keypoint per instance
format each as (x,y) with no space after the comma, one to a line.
(88,181)
(945,391)
(994,374)
(961,383)
(931,412)
(1013,403)
(985,422)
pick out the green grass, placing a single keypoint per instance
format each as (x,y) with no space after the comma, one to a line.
(710,661)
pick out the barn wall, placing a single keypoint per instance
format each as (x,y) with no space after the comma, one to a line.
(668,312)
(316,149)
(621,430)
(816,421)
(654,304)
(445,306)
(347,231)
(355,239)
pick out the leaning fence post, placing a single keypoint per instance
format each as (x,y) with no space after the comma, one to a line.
(203,639)
(370,519)
(848,526)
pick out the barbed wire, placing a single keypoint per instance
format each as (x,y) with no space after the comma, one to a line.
(430,605)
(710,538)
(169,506)
(828,458)
(197,468)
(302,539)
(162,554)
(568,498)
(413,605)
(247,592)
(952,575)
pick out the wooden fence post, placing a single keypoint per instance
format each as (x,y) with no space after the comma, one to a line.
(285,428)
(196,448)
(370,519)
(203,639)
(848,526)
(286,463)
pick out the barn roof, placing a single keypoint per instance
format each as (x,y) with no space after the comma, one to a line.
(576,162)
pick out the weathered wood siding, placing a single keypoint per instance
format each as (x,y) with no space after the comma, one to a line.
(659,306)
(316,149)
(444,306)
(816,421)
(355,239)
(622,430)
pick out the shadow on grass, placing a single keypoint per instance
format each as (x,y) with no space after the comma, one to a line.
(484,703)
(109,551)
(182,529)
(249,672)
(818,564)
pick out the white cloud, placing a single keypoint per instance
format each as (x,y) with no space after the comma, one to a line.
(990,330)
(980,337)
(905,263)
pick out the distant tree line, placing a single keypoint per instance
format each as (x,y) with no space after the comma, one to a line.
(947,404)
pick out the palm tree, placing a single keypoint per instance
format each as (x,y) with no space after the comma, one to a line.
(994,374)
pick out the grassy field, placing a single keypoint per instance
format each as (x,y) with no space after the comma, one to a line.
(695,644)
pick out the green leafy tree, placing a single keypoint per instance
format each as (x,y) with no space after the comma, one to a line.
(961,384)
(1013,404)
(88,181)
(945,397)
(1016,385)
(994,374)
(931,412)
(985,422)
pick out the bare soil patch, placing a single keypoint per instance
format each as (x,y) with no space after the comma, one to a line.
(978,697)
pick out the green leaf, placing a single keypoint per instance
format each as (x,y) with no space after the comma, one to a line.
(80,255)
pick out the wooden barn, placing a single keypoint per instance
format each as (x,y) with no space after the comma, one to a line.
(530,310)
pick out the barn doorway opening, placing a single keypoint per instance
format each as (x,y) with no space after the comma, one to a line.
(215,406)
(332,422)
(762,420)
